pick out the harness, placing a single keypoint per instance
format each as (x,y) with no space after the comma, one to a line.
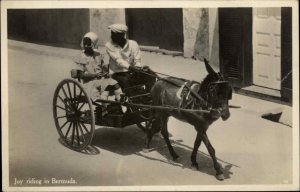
(219,90)
(189,93)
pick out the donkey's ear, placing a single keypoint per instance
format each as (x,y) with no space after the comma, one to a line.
(209,69)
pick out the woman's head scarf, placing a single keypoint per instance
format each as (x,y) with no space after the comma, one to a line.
(94,38)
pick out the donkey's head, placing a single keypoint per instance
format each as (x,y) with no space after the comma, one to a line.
(216,91)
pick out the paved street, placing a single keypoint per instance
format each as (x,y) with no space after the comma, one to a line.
(251,150)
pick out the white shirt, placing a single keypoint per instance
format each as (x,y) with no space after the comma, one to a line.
(121,58)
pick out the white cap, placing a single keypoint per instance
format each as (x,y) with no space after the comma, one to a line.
(118,28)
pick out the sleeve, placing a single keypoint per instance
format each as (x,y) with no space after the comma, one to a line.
(136,54)
(116,56)
(80,63)
(99,59)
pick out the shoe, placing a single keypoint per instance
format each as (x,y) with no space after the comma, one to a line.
(124,109)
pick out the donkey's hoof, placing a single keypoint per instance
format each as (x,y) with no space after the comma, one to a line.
(148,150)
(175,157)
(220,177)
(195,166)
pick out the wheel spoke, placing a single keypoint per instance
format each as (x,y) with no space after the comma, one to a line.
(66,103)
(84,127)
(69,90)
(74,89)
(77,134)
(63,125)
(79,96)
(73,130)
(80,128)
(82,104)
(64,91)
(61,117)
(66,136)
(63,108)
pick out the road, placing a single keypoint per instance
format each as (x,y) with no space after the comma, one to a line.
(251,150)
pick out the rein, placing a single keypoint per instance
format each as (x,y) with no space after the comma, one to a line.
(173,83)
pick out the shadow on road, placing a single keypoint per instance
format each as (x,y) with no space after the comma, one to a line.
(89,150)
(123,141)
(131,140)
(184,152)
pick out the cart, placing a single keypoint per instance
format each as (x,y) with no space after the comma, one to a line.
(76,115)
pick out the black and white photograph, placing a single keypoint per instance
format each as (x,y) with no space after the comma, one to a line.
(150,95)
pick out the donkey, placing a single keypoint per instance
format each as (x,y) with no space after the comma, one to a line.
(212,94)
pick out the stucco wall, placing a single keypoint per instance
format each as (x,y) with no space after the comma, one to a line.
(191,20)
(201,35)
(100,19)
(200,30)
(214,38)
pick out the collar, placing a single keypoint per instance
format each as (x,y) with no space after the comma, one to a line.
(118,46)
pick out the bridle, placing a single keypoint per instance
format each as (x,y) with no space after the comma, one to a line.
(219,90)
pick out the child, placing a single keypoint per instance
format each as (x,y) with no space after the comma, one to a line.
(92,71)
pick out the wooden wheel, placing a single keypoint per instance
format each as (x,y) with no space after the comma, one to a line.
(145,125)
(73,114)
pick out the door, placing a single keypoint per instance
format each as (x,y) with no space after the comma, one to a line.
(267,47)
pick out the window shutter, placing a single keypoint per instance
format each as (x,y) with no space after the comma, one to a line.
(235,43)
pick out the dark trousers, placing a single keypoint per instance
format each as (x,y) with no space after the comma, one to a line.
(124,79)
(129,79)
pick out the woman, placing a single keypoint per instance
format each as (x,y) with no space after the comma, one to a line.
(94,74)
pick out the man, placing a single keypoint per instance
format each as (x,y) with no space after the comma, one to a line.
(125,56)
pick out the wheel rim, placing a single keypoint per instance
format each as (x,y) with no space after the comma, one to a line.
(73,114)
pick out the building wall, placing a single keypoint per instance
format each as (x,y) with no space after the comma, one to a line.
(200,30)
(65,28)
(191,22)
(214,38)
(201,34)
(100,19)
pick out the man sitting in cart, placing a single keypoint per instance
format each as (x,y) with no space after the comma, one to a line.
(125,56)
(93,72)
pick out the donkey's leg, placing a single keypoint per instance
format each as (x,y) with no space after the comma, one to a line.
(155,128)
(165,134)
(211,150)
(149,138)
(195,151)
